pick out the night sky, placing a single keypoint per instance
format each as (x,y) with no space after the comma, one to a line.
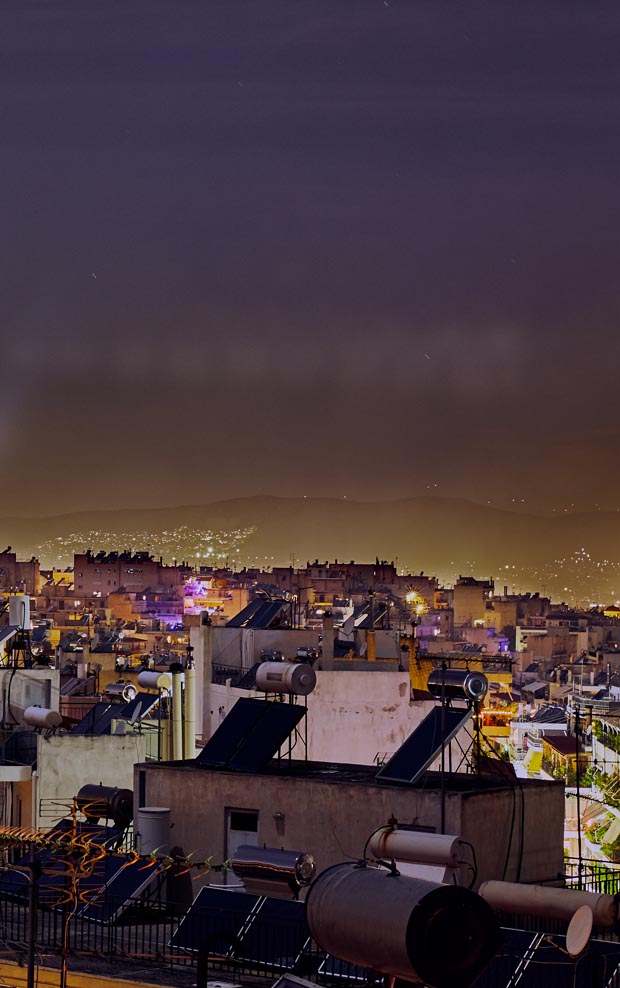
(351,248)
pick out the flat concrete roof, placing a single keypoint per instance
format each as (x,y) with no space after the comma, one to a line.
(339,773)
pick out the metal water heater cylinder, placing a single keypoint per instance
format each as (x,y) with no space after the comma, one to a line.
(554,903)
(441,935)
(155,680)
(271,871)
(296,679)
(154,830)
(457,684)
(106,802)
(417,847)
(42,717)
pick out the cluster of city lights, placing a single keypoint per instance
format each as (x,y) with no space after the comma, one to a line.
(181,544)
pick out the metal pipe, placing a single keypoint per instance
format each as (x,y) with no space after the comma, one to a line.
(177,717)
(35,873)
(371,647)
(442,827)
(166,739)
(578,781)
(189,726)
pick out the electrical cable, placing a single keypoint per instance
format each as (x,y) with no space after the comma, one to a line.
(512,826)
(522,833)
(11,678)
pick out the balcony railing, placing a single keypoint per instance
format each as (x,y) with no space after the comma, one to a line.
(145,935)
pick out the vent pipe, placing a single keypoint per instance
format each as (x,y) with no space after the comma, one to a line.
(189,724)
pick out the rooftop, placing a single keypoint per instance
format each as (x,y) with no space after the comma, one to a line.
(340,773)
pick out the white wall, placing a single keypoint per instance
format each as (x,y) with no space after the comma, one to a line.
(241,647)
(66,763)
(21,688)
(352,716)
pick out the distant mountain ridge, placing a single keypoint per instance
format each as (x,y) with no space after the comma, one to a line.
(423,533)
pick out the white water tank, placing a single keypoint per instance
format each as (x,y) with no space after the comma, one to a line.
(42,717)
(417,847)
(19,611)
(154,830)
(296,679)
(436,857)
(155,680)
(441,935)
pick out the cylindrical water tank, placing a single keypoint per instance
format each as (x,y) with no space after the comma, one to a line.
(457,684)
(271,871)
(417,847)
(106,802)
(42,717)
(285,677)
(155,680)
(126,690)
(154,830)
(554,903)
(442,935)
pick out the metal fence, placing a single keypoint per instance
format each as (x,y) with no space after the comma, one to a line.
(148,932)
(592,876)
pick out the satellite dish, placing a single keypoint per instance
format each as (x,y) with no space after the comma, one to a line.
(135,715)
(129,692)
(579,930)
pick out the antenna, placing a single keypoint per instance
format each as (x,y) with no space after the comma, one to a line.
(135,715)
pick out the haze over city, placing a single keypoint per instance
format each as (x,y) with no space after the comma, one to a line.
(309,250)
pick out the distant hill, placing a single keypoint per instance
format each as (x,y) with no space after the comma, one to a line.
(424,533)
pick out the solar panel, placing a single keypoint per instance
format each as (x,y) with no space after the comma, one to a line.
(240,619)
(214,921)
(333,969)
(146,701)
(257,614)
(597,967)
(232,732)
(509,958)
(422,746)
(292,981)
(98,720)
(275,936)
(528,958)
(53,884)
(20,747)
(126,884)
(267,736)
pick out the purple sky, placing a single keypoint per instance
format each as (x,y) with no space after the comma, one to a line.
(345,248)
